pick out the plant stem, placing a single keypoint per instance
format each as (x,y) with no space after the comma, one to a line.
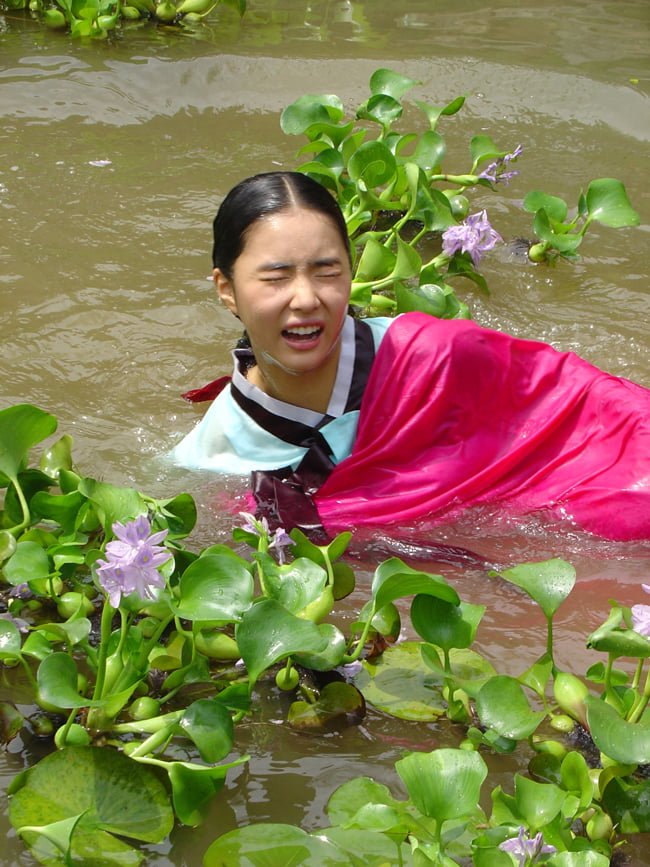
(641,705)
(105,634)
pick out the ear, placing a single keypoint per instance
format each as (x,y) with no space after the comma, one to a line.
(225,290)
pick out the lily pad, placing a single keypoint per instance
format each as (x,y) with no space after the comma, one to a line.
(110,793)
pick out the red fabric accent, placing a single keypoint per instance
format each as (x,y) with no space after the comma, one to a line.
(456,415)
(207,392)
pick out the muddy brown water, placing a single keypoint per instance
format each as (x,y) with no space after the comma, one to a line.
(114,156)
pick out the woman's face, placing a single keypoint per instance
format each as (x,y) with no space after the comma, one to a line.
(290,287)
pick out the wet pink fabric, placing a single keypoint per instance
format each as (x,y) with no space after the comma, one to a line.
(456,415)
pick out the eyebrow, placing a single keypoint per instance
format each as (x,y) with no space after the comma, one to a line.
(325,262)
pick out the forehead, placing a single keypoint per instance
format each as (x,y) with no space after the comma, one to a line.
(292,235)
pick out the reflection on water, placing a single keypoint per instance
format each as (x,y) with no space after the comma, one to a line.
(114,158)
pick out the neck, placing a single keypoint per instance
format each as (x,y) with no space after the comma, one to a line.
(310,390)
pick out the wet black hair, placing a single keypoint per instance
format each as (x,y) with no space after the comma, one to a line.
(259,196)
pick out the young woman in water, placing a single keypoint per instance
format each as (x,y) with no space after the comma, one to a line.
(453,414)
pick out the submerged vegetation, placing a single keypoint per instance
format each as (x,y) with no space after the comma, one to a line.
(142,656)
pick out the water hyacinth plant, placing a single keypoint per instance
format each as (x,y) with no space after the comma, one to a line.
(98,18)
(136,647)
(402,203)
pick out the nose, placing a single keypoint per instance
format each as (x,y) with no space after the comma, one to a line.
(304,294)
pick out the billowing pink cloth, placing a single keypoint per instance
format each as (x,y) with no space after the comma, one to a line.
(456,415)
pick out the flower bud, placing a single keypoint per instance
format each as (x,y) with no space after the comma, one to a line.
(144,707)
(131,13)
(217,645)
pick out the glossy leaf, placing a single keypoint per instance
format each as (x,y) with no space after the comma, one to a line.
(373,164)
(10,640)
(382,109)
(338,703)
(309,110)
(620,740)
(444,784)
(215,587)
(392,83)
(21,427)
(586,858)
(346,801)
(445,624)
(295,584)
(434,112)
(114,794)
(29,562)
(209,725)
(502,705)
(548,583)
(555,207)
(397,683)
(375,263)
(537,803)
(57,682)
(393,580)
(194,786)
(574,773)
(564,242)
(628,804)
(272,844)
(331,656)
(607,202)
(113,503)
(268,633)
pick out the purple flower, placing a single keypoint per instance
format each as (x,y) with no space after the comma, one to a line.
(526,850)
(495,172)
(260,528)
(641,616)
(132,561)
(281,540)
(474,235)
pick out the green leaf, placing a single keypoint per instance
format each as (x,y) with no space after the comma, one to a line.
(430,151)
(548,582)
(391,83)
(308,110)
(348,799)
(382,109)
(574,773)
(208,723)
(555,207)
(268,633)
(338,703)
(215,587)
(21,427)
(502,705)
(483,148)
(620,740)
(57,682)
(61,508)
(438,301)
(193,786)
(10,641)
(444,784)
(113,503)
(628,804)
(267,844)
(607,203)
(29,562)
(586,858)
(397,684)
(434,112)
(372,164)
(328,658)
(537,803)
(113,793)
(295,584)
(375,263)
(562,242)
(445,624)
(393,580)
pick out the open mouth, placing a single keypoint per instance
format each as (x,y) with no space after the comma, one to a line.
(303,333)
